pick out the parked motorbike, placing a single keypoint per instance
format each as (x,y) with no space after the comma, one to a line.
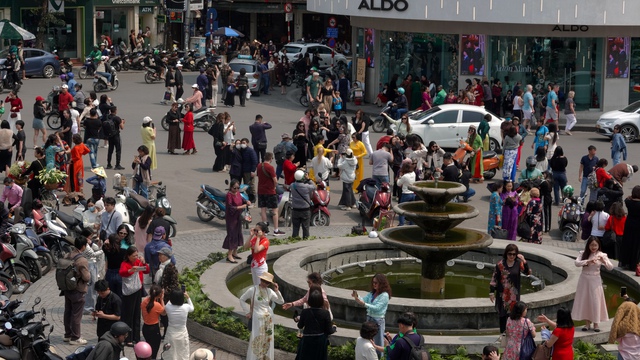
(152,75)
(25,253)
(136,60)
(490,159)
(373,200)
(55,237)
(17,273)
(569,218)
(381,123)
(5,81)
(100,82)
(88,69)
(39,246)
(320,215)
(66,66)
(116,62)
(211,204)
(203,118)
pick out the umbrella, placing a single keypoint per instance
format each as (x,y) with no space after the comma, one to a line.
(226,31)
(9,30)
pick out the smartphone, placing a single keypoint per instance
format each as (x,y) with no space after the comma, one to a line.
(213,351)
(623,291)
(184,288)
(354,294)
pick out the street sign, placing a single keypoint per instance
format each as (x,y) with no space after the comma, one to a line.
(288,17)
(175,16)
(333,22)
(288,8)
(146,9)
(332,32)
(331,43)
(162,19)
(212,24)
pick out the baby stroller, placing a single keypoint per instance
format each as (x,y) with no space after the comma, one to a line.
(570,215)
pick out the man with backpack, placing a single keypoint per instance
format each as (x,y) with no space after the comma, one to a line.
(111,127)
(72,277)
(408,344)
(280,152)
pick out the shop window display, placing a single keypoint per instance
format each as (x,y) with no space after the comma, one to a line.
(573,63)
(432,55)
(634,71)
(61,34)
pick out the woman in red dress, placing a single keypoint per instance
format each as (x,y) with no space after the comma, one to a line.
(188,145)
(562,337)
(478,92)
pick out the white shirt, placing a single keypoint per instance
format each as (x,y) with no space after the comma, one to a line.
(599,219)
(365,350)
(406,180)
(74,117)
(516,103)
(320,166)
(228,136)
(178,314)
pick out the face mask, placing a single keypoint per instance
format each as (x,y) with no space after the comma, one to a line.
(244,146)
(238,147)
(92,209)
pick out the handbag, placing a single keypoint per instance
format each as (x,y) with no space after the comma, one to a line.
(14,115)
(131,284)
(103,233)
(499,233)
(167,95)
(542,352)
(248,95)
(249,259)
(524,230)
(528,345)
(261,145)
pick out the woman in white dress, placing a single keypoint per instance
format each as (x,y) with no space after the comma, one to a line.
(177,334)
(261,315)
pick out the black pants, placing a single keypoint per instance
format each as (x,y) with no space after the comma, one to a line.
(347,198)
(260,152)
(131,314)
(546,214)
(114,142)
(503,324)
(219,163)
(251,191)
(300,217)
(152,336)
(242,94)
(179,91)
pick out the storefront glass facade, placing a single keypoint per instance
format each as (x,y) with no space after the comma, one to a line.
(634,70)
(432,55)
(573,63)
(61,36)
(114,24)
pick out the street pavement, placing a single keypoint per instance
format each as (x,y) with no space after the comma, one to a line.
(183,174)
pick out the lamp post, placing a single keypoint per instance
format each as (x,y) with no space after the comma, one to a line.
(187,18)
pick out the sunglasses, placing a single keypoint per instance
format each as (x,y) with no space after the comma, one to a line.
(511,254)
(122,233)
(235,188)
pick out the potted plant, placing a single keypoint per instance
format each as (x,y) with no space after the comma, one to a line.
(51,178)
(16,170)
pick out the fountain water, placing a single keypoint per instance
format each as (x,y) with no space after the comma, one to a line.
(433,239)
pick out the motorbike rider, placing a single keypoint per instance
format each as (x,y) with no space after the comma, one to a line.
(109,346)
(71,82)
(401,105)
(301,191)
(101,69)
(94,56)
(530,173)
(157,63)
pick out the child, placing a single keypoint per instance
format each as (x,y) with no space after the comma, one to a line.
(77,165)
(337,103)
(99,183)
(142,171)
(21,149)
(108,307)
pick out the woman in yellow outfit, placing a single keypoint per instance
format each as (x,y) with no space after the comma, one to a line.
(359,151)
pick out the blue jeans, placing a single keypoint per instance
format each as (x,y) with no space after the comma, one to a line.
(380,179)
(615,157)
(559,182)
(90,297)
(105,74)
(278,171)
(401,112)
(379,338)
(92,144)
(265,85)
(467,194)
(405,198)
(141,189)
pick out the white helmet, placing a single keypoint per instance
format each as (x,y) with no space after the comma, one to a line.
(104,58)
(181,101)
(373,234)
(299,175)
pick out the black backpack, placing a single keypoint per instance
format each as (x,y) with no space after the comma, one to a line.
(419,352)
(108,127)
(66,274)
(280,153)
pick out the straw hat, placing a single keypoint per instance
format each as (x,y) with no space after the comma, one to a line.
(268,277)
(202,354)
(99,171)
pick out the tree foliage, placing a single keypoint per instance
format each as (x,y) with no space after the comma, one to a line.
(46,19)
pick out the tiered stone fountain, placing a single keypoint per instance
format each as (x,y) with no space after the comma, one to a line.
(433,239)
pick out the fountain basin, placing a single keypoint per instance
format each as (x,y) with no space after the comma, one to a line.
(436,223)
(437,194)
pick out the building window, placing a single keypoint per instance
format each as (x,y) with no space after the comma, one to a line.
(634,71)
(573,63)
(61,35)
(434,56)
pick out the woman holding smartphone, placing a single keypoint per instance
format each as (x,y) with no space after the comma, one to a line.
(259,245)
(131,272)
(152,307)
(376,302)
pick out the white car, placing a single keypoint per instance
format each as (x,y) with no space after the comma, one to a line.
(628,118)
(328,56)
(447,124)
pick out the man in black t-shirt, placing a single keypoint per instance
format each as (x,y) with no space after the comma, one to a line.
(92,126)
(108,307)
(114,138)
(450,171)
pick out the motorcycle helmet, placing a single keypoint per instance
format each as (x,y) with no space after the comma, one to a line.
(531,163)
(401,90)
(142,350)
(299,175)
(120,328)
(567,191)
(373,234)
(181,101)
(103,58)
(63,77)
(156,52)
(95,46)
(69,75)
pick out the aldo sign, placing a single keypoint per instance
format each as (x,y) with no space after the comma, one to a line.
(384,5)
(571,28)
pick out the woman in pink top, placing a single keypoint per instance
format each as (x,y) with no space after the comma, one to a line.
(312,279)
(626,330)
(426,99)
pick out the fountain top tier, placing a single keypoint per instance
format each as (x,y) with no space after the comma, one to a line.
(437,194)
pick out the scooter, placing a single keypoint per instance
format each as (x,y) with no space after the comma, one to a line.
(136,60)
(203,118)
(88,69)
(39,246)
(100,82)
(24,251)
(17,273)
(211,204)
(490,159)
(66,66)
(320,215)
(373,200)
(151,75)
(117,63)
(381,123)
(55,237)
(5,80)
(569,218)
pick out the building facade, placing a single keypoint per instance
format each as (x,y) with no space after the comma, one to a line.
(588,46)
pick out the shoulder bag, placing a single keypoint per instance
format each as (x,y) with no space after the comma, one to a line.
(303,198)
(103,233)
(528,345)
(542,352)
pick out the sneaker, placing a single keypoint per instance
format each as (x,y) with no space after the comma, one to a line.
(278,232)
(118,167)
(66,339)
(109,167)
(78,341)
